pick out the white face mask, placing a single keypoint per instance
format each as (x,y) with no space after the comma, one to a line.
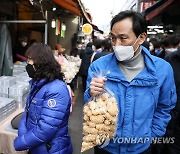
(24,44)
(151,48)
(170,50)
(94,48)
(124,53)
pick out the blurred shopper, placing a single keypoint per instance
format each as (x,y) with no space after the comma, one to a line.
(143,86)
(152,45)
(74,52)
(171,44)
(106,48)
(156,48)
(43,128)
(96,48)
(20,49)
(85,55)
(61,58)
(173,128)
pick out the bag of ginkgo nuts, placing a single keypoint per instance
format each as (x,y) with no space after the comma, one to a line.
(100,120)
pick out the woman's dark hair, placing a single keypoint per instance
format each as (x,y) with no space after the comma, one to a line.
(138,21)
(45,63)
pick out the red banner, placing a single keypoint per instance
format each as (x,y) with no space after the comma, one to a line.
(147,4)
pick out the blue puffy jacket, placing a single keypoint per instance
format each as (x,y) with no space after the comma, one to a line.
(46,129)
(144,103)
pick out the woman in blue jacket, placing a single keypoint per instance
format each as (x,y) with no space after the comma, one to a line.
(43,128)
(143,86)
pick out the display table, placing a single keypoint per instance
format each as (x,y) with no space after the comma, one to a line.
(8,134)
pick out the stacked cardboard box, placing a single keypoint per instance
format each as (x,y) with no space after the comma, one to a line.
(19,68)
(16,88)
(19,93)
(5,83)
(7,106)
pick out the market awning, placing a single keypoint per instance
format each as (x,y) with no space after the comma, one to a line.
(96,28)
(69,5)
(156,9)
(78,9)
(74,6)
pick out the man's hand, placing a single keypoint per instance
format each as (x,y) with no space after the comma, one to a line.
(97,86)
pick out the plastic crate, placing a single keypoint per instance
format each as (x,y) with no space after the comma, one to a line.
(7,106)
(7,81)
(20,100)
(4,90)
(18,90)
(23,80)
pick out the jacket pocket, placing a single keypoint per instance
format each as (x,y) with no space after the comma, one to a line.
(142,139)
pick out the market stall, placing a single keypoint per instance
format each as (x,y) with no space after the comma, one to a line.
(8,134)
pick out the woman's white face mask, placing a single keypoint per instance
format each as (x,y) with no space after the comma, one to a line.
(24,44)
(124,53)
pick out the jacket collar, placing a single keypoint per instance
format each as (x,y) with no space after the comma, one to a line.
(147,77)
(37,84)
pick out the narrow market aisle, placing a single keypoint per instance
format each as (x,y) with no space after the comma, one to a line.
(76,120)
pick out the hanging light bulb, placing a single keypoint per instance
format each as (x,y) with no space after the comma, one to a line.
(63,27)
(53,23)
(54,8)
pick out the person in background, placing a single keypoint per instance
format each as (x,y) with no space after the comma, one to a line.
(74,52)
(96,48)
(142,84)
(85,55)
(61,58)
(173,128)
(152,45)
(156,48)
(171,44)
(79,45)
(43,128)
(106,48)
(20,49)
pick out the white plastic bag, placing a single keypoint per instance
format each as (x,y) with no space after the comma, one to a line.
(100,120)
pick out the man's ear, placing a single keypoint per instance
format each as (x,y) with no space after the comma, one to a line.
(142,38)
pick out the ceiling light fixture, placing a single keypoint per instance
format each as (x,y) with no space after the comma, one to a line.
(54,8)
(53,23)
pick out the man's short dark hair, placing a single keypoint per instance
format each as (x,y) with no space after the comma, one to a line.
(171,41)
(138,21)
(97,43)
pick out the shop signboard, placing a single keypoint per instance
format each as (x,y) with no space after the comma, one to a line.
(146,4)
(87,29)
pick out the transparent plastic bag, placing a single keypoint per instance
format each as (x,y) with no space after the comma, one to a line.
(100,120)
